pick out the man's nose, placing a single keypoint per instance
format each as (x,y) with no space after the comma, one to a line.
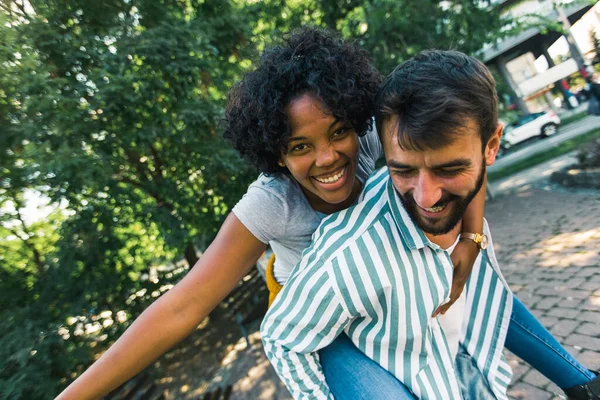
(326,156)
(427,191)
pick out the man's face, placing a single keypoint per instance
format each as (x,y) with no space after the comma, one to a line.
(436,186)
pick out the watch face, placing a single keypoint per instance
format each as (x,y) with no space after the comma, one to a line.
(484,241)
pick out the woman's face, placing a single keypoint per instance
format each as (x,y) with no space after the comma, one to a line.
(322,154)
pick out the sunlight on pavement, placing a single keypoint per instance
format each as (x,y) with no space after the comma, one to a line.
(564,250)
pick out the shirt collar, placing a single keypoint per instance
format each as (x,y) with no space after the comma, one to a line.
(412,235)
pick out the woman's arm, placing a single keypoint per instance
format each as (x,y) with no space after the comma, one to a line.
(175,314)
(466,251)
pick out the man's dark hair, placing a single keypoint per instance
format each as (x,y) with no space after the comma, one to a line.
(433,94)
(311,61)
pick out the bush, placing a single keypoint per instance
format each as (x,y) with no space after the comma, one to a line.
(589,156)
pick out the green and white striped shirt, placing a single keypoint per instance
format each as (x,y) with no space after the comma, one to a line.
(372,273)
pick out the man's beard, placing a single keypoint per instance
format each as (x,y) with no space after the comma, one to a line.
(440,226)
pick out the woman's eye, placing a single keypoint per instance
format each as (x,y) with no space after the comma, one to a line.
(341,131)
(299,147)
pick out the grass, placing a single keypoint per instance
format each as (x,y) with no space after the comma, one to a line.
(573,118)
(562,148)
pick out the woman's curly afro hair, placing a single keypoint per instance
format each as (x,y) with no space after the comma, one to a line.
(311,61)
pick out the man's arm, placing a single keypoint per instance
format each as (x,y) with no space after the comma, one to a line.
(306,316)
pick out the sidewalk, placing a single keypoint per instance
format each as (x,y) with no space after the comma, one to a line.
(538,175)
(547,242)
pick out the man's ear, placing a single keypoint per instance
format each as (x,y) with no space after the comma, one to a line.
(493,145)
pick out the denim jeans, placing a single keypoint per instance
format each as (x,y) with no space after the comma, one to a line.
(471,382)
(350,374)
(532,343)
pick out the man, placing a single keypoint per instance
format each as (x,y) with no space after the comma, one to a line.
(379,270)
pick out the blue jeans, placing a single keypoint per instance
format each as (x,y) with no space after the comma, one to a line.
(532,343)
(471,382)
(350,374)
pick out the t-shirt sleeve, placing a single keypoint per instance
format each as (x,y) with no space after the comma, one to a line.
(371,145)
(262,212)
(370,151)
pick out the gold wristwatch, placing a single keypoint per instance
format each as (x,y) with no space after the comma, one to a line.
(480,239)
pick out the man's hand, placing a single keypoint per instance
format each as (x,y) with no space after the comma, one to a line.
(463,257)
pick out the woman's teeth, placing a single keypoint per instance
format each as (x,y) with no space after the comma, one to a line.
(333,178)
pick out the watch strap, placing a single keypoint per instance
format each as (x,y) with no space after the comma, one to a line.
(477,238)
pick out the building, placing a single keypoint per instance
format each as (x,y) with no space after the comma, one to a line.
(536,60)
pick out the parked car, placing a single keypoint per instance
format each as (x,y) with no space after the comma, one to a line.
(538,124)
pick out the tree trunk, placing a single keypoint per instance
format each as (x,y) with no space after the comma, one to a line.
(190,254)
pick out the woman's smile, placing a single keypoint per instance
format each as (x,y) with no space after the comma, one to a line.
(332,177)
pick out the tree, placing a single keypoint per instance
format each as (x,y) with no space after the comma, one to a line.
(113,109)
(391,30)
(596,46)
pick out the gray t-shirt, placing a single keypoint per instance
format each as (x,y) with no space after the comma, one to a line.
(276,211)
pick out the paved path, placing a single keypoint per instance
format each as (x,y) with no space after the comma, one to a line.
(535,176)
(547,241)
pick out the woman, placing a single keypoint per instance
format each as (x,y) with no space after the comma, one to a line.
(298,118)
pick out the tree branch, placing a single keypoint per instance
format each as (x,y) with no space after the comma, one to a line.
(158,163)
(159,200)
(134,159)
(39,263)
(21,7)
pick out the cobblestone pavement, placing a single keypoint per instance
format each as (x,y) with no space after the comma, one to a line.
(547,241)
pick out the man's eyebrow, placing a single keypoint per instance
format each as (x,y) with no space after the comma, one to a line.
(462,162)
(398,165)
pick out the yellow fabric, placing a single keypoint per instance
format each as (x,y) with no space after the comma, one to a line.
(272,284)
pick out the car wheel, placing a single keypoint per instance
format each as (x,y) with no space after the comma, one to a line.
(549,130)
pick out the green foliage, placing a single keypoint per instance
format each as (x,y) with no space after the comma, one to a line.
(396,31)
(391,30)
(596,46)
(113,110)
